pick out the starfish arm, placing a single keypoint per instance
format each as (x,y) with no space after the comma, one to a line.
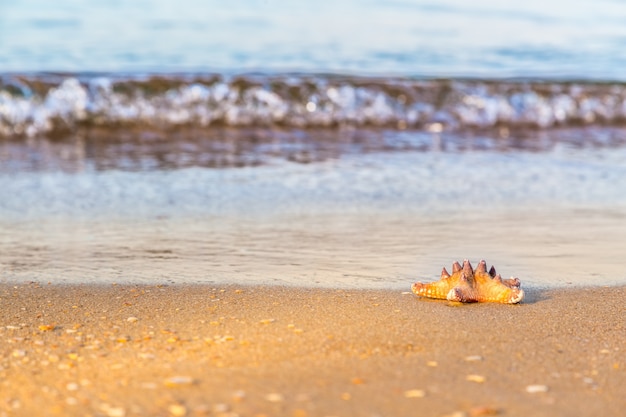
(438,289)
(501,293)
(511,282)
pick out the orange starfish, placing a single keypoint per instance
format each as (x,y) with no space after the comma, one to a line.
(469,286)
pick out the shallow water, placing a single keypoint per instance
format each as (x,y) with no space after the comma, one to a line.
(556,217)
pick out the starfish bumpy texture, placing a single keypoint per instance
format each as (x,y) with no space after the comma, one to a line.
(468,286)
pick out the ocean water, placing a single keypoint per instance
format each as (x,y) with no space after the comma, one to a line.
(337,144)
(445,38)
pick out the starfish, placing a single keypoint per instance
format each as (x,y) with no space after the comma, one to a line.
(469,286)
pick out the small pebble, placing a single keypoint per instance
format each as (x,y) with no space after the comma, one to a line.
(72,386)
(457,414)
(18,353)
(483,411)
(415,393)
(202,410)
(177,410)
(116,412)
(143,355)
(239,395)
(588,380)
(221,408)
(533,389)
(177,381)
(274,397)
(475,378)
(132,319)
(432,364)
(113,411)
(473,358)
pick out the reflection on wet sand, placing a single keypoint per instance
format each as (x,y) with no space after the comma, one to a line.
(365,248)
(140,150)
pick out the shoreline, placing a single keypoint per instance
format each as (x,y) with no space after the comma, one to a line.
(124,350)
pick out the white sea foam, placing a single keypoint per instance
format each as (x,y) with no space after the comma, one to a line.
(306,102)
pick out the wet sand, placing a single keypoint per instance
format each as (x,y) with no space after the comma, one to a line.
(180,350)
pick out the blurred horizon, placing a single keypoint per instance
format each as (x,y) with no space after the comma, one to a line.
(449,38)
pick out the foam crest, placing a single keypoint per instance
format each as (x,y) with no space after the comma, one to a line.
(42,105)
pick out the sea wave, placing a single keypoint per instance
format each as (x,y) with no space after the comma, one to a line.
(49,104)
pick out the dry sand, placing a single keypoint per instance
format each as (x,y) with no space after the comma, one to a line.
(274,351)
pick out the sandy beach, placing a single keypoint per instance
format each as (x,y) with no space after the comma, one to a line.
(180,350)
